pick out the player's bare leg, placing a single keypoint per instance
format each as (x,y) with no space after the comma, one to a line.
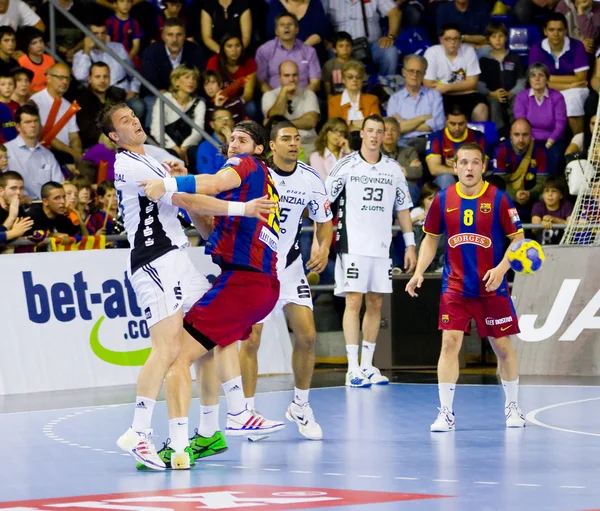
(166,337)
(370,328)
(302,321)
(447,370)
(249,364)
(508,366)
(351,326)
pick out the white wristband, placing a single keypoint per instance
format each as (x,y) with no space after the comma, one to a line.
(409,239)
(167,198)
(236,208)
(170,184)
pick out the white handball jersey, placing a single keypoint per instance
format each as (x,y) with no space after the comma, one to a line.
(153,228)
(303,188)
(370,194)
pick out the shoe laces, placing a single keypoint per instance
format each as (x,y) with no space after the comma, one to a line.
(444,411)
(513,407)
(307,411)
(165,445)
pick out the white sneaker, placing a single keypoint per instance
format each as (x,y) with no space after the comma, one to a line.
(249,422)
(375,376)
(514,416)
(305,418)
(444,421)
(140,445)
(357,379)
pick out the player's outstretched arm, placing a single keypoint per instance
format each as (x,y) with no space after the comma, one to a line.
(206,184)
(204,205)
(494,277)
(426,254)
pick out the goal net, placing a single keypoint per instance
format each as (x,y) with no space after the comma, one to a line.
(584,226)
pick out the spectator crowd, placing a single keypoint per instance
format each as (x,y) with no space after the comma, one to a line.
(518,77)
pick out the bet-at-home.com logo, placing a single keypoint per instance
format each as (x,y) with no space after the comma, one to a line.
(70,301)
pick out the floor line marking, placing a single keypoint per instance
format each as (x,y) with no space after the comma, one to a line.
(333,474)
(240,466)
(272,469)
(214,465)
(531,417)
(407,478)
(486,482)
(445,481)
(574,487)
(300,472)
(370,477)
(528,485)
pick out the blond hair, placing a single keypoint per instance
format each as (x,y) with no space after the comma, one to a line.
(180,71)
(356,66)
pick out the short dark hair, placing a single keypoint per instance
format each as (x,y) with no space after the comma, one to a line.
(98,64)
(557,182)
(556,16)
(209,73)
(276,119)
(5,177)
(7,74)
(255,130)
(455,109)
(27,35)
(286,14)
(174,22)
(373,117)
(449,26)
(7,30)
(104,119)
(48,187)
(29,108)
(472,146)
(213,113)
(279,126)
(104,187)
(341,36)
(428,190)
(494,28)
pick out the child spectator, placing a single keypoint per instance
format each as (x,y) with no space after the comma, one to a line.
(172,9)
(107,198)
(7,88)
(23,78)
(216,97)
(554,209)
(93,220)
(71,199)
(122,28)
(34,58)
(332,70)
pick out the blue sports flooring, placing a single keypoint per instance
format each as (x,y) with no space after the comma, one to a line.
(377,455)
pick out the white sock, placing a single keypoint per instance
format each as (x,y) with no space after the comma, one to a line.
(300,396)
(446,391)
(511,390)
(250,403)
(142,416)
(352,352)
(178,433)
(366,356)
(236,402)
(209,421)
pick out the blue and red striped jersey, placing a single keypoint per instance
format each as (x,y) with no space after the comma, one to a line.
(506,162)
(241,241)
(476,229)
(123,31)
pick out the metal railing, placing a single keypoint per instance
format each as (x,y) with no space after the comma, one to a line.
(131,71)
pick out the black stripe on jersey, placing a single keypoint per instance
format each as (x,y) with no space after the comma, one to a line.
(151,240)
(294,251)
(341,236)
(154,276)
(340,164)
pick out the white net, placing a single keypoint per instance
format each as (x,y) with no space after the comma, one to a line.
(584,180)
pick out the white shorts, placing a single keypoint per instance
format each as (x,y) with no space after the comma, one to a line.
(575,99)
(362,274)
(294,288)
(167,284)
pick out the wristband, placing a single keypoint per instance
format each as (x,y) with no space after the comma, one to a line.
(409,239)
(185,184)
(235,208)
(170,184)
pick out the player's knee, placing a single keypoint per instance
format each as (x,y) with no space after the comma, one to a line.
(451,344)
(305,341)
(250,346)
(374,302)
(353,303)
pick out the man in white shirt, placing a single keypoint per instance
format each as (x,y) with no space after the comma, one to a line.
(26,156)
(17,13)
(66,146)
(453,70)
(296,104)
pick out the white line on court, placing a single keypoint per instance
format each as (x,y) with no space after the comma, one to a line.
(531,417)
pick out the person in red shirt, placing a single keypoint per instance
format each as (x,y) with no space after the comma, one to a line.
(34,57)
(476,218)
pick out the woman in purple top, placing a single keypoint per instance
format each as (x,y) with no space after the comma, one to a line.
(546,111)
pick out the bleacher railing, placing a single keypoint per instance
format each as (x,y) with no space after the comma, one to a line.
(131,71)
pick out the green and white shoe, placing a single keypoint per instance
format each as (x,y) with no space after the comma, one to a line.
(203,447)
(180,460)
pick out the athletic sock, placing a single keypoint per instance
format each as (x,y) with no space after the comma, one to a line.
(250,403)
(142,416)
(446,391)
(300,396)
(352,352)
(178,433)
(209,421)
(236,402)
(366,356)
(511,391)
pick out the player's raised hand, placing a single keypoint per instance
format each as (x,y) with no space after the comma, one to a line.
(154,189)
(261,208)
(413,284)
(493,278)
(174,168)
(410,258)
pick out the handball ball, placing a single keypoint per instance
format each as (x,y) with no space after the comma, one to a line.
(526,256)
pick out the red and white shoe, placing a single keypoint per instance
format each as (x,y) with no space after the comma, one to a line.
(249,422)
(141,446)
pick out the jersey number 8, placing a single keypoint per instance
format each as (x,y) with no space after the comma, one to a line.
(468,217)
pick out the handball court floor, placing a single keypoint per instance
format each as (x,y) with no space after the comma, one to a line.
(377,453)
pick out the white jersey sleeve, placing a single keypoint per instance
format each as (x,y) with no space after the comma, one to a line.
(153,228)
(319,207)
(403,199)
(336,180)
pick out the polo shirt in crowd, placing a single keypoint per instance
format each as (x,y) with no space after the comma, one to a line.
(44,101)
(571,60)
(428,102)
(303,102)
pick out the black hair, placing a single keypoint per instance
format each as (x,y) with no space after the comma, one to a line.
(449,26)
(279,126)
(29,108)
(48,187)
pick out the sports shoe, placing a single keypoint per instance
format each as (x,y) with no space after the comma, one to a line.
(444,421)
(250,422)
(375,376)
(305,418)
(140,445)
(514,416)
(202,446)
(177,461)
(357,379)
